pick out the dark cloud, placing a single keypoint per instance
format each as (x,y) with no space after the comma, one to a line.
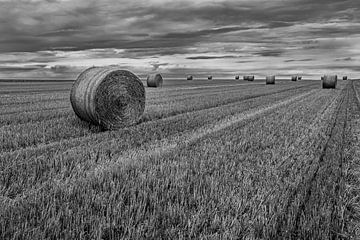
(210,57)
(299,60)
(62,32)
(269,53)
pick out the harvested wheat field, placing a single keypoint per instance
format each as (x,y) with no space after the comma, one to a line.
(207,160)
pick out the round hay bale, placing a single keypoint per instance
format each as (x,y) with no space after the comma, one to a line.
(245,78)
(294,78)
(154,80)
(237,77)
(345,78)
(189,77)
(329,81)
(322,78)
(299,77)
(109,97)
(249,78)
(270,79)
(210,77)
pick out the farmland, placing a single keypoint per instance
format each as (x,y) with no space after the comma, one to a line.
(219,159)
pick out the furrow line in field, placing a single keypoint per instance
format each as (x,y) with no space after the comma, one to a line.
(168,144)
(33,111)
(146,118)
(192,137)
(309,184)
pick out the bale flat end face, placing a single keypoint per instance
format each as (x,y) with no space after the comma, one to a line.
(154,80)
(270,80)
(109,97)
(329,82)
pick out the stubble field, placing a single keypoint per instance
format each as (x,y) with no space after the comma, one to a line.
(208,160)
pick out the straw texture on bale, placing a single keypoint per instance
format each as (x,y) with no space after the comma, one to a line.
(329,81)
(154,80)
(209,77)
(345,77)
(109,97)
(237,77)
(294,78)
(189,77)
(270,79)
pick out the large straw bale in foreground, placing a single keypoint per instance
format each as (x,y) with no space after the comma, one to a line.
(154,80)
(270,79)
(329,81)
(109,97)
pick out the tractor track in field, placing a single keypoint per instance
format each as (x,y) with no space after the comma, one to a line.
(10,92)
(309,184)
(34,111)
(133,156)
(162,117)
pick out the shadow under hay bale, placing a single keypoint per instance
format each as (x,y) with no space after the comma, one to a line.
(189,77)
(154,80)
(329,81)
(109,97)
(270,79)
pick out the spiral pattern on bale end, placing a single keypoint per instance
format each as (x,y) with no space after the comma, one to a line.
(294,78)
(329,81)
(154,80)
(270,79)
(109,97)
(189,77)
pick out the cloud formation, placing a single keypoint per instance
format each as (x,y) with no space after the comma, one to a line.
(62,37)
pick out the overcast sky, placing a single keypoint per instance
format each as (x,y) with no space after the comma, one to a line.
(60,38)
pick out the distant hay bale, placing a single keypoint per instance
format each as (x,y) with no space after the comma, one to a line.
(345,78)
(109,97)
(294,78)
(154,80)
(210,77)
(237,77)
(249,78)
(189,77)
(329,81)
(322,78)
(270,79)
(299,77)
